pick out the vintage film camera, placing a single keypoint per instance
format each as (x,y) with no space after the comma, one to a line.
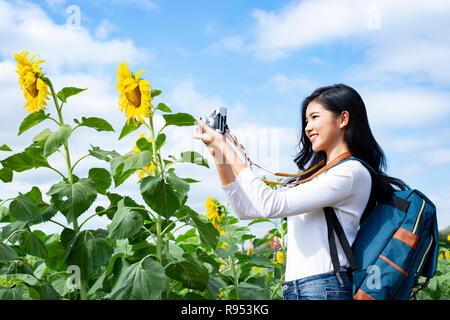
(217,120)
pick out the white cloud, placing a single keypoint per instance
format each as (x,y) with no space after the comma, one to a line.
(143,4)
(438,156)
(28,28)
(285,84)
(184,97)
(301,24)
(411,107)
(211,27)
(230,43)
(442,203)
(55,3)
(404,37)
(104,29)
(409,144)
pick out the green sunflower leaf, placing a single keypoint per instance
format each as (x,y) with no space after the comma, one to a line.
(22,278)
(18,292)
(73,199)
(43,135)
(57,139)
(6,175)
(125,223)
(122,167)
(66,92)
(4,214)
(143,280)
(128,128)
(7,253)
(31,157)
(88,249)
(103,154)
(155,93)
(208,233)
(179,119)
(31,120)
(250,291)
(98,124)
(164,196)
(102,179)
(194,157)
(163,107)
(160,139)
(190,272)
(144,144)
(5,148)
(31,244)
(24,209)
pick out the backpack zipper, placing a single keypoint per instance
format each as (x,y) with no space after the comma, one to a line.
(424,256)
(418,217)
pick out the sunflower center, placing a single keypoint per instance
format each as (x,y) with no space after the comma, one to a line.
(134,97)
(32,89)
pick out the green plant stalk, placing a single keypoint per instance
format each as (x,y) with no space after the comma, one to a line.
(231,259)
(282,231)
(236,280)
(159,239)
(83,292)
(10,236)
(66,147)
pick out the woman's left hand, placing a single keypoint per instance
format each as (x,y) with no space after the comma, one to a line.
(209,137)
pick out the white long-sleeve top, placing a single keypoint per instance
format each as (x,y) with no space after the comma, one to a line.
(345,187)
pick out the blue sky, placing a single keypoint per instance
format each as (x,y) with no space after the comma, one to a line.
(258,58)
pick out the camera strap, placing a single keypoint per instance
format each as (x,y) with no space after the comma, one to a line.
(321,164)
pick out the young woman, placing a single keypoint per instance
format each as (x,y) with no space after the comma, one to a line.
(334,126)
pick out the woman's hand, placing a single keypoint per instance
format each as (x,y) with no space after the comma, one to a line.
(212,139)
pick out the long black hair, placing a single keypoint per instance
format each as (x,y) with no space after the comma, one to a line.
(358,136)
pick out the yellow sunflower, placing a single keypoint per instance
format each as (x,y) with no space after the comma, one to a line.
(250,248)
(150,168)
(34,89)
(212,211)
(279,257)
(135,94)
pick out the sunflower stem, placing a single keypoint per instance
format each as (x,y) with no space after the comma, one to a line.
(158,216)
(231,260)
(83,293)
(73,167)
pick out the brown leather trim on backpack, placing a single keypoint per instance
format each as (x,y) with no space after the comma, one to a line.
(407,237)
(392,264)
(361,295)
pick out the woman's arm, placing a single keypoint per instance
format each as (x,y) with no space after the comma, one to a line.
(262,201)
(328,189)
(224,170)
(232,159)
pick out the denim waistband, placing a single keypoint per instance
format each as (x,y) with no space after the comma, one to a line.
(323,277)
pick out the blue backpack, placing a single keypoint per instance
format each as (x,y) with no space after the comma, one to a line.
(396,243)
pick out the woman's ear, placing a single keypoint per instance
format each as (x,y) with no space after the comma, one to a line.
(343,119)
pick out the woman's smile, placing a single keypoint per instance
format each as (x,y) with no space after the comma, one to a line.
(313,137)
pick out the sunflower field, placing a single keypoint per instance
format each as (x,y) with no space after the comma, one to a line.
(141,253)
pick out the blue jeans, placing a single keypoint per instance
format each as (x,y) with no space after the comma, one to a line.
(326,286)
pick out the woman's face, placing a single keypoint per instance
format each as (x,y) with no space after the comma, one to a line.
(323,128)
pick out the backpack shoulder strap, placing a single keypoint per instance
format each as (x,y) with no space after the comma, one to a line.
(371,170)
(334,225)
